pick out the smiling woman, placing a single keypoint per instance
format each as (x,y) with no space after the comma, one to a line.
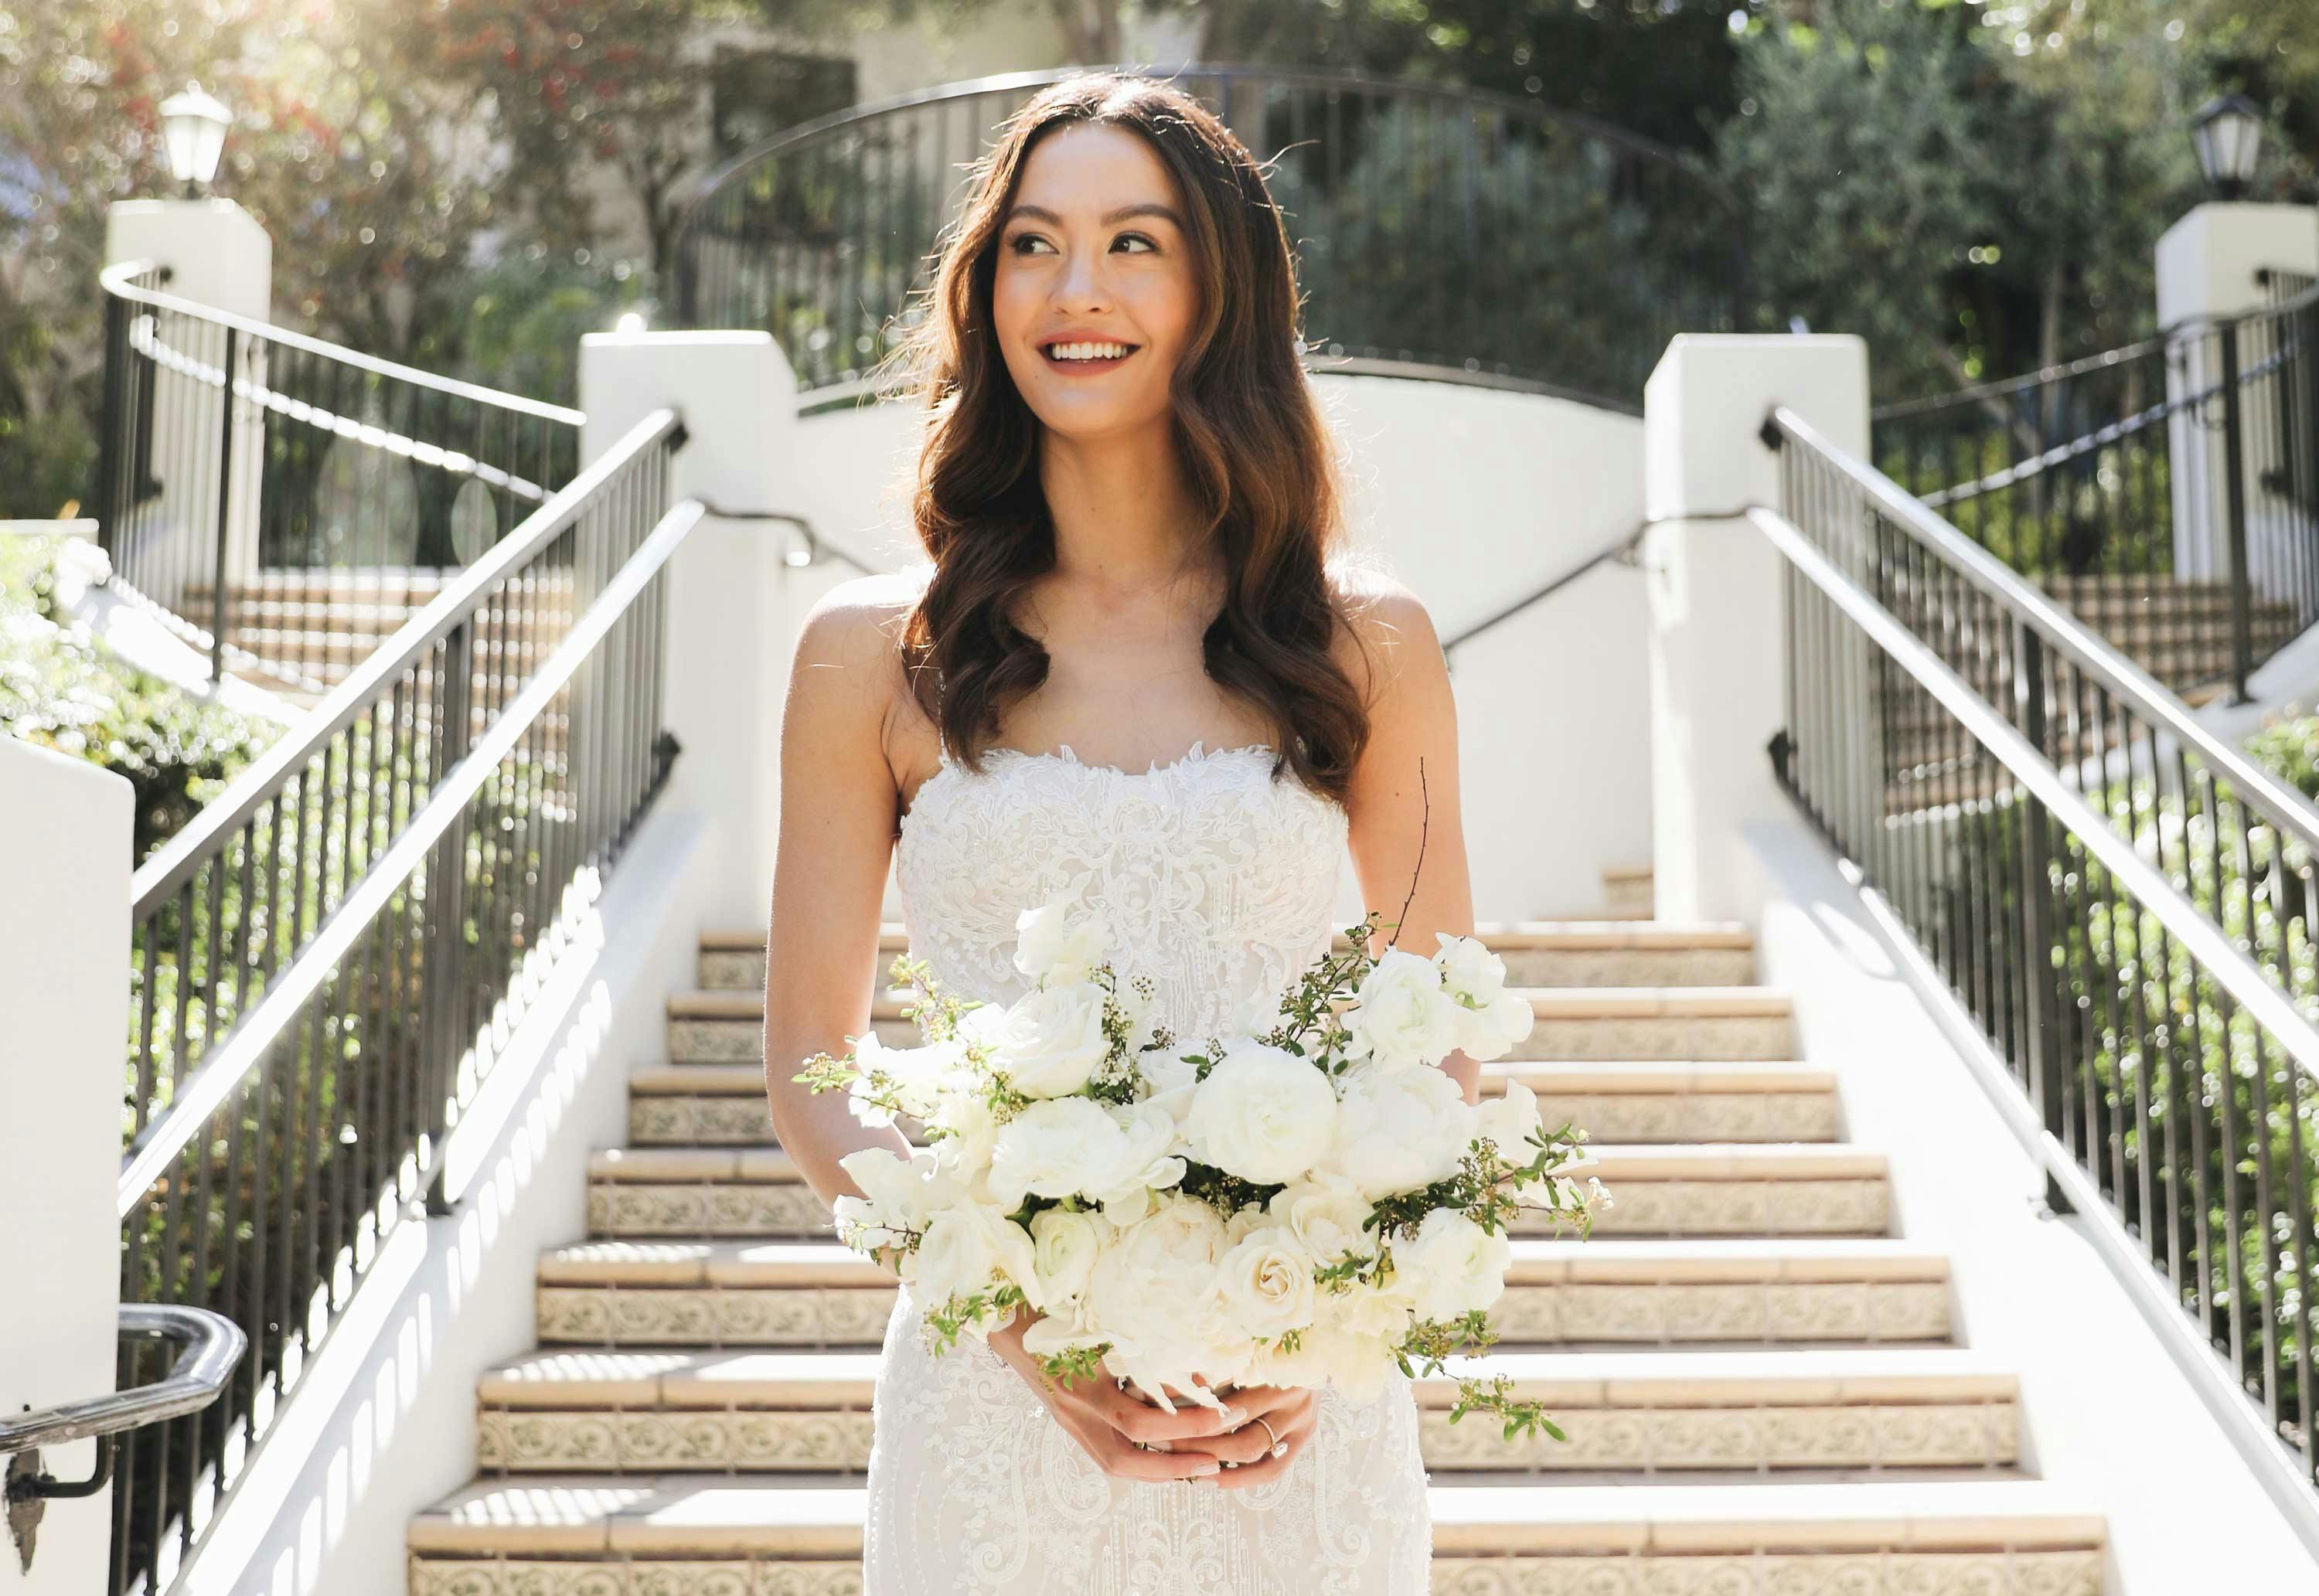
(1130,511)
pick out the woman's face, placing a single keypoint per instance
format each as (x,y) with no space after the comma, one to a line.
(1094,250)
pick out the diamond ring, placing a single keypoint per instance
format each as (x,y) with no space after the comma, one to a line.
(1279,1446)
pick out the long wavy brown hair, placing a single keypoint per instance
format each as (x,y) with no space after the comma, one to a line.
(1252,441)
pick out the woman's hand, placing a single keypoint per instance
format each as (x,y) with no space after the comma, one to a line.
(1107,1421)
(1291,1411)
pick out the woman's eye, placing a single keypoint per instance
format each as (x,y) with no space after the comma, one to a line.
(1021,243)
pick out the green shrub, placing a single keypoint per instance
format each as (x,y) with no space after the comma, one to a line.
(60,688)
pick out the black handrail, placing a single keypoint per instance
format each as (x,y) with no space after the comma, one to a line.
(283,501)
(1479,235)
(322,962)
(2117,900)
(1621,550)
(2200,566)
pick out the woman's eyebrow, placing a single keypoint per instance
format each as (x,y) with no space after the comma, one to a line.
(1144,208)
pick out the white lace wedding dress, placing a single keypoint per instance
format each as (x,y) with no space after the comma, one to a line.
(1215,877)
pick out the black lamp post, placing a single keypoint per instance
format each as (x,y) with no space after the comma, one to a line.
(2228,133)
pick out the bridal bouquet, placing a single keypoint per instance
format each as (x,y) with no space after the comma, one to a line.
(1305,1200)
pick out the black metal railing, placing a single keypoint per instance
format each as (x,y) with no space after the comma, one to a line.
(1447,231)
(324,961)
(2121,903)
(2167,492)
(290,503)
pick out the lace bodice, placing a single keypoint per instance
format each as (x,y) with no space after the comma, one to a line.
(1217,878)
(1219,881)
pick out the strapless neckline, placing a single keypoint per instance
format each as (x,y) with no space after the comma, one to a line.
(1063,753)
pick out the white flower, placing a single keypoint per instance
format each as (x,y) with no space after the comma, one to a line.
(1064,1247)
(1175,1080)
(964,1245)
(1266,1281)
(899,1194)
(1049,1042)
(1068,1147)
(1053,945)
(1510,1122)
(1398,1129)
(1404,1017)
(1451,1266)
(1142,1016)
(1262,1114)
(918,1078)
(1328,1214)
(965,1153)
(1468,970)
(1152,1294)
(1490,1031)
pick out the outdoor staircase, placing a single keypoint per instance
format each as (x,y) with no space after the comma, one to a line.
(309,629)
(1762,1385)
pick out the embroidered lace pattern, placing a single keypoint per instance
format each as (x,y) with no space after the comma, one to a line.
(1219,881)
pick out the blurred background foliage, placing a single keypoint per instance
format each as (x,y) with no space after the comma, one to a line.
(1975,188)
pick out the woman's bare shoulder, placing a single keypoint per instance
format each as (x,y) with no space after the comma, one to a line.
(1383,617)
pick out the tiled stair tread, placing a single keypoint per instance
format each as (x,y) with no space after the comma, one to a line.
(1537,1261)
(818,1380)
(821,1516)
(1602,1077)
(1548,1003)
(1501,935)
(1769,1161)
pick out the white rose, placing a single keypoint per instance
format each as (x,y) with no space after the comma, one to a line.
(1398,1129)
(1064,1245)
(964,1245)
(1404,1018)
(1451,1266)
(1053,944)
(1266,1282)
(1049,1042)
(1328,1214)
(1262,1114)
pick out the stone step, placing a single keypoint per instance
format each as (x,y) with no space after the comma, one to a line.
(1720,1022)
(1537,953)
(649,1413)
(1604,1291)
(1766,1189)
(801,1535)
(1632,1101)
(1629,892)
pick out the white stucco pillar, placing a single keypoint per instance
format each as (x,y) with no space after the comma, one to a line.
(2210,264)
(1715,593)
(728,638)
(64,991)
(218,255)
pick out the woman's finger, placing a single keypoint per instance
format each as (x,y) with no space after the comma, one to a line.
(1265,1466)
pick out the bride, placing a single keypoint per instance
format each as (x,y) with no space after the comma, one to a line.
(1137,665)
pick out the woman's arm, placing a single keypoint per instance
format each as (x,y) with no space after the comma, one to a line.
(1405,789)
(838,806)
